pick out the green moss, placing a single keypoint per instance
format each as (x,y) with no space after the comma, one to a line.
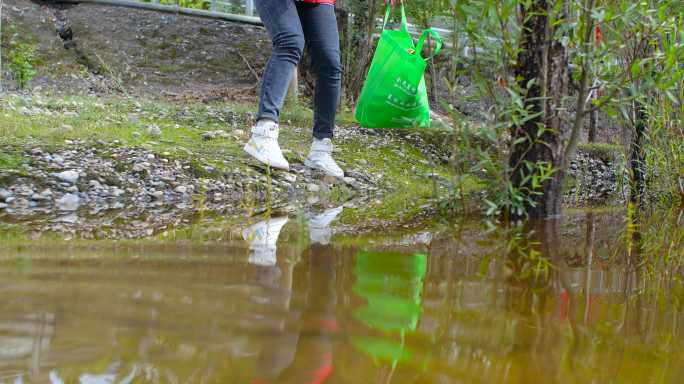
(408,179)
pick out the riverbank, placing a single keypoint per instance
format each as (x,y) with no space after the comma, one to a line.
(135,124)
(85,164)
(115,167)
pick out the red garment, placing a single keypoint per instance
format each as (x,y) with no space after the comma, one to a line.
(320,1)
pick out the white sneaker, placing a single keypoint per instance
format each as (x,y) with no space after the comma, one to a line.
(319,226)
(263,145)
(263,239)
(320,158)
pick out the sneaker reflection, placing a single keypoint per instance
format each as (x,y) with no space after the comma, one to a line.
(263,239)
(302,350)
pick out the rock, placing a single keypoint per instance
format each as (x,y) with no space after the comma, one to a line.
(94,184)
(153,130)
(313,188)
(3,205)
(65,128)
(57,159)
(157,195)
(4,194)
(133,118)
(140,167)
(70,177)
(45,195)
(68,202)
(181,189)
(210,135)
(289,177)
(36,151)
(136,135)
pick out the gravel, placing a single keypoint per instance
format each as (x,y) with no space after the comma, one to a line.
(95,190)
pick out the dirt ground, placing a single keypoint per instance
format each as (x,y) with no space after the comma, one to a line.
(88,48)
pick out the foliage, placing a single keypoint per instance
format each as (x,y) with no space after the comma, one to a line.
(22,58)
(196,4)
(620,53)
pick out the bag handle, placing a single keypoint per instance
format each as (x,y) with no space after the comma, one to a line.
(404,22)
(423,37)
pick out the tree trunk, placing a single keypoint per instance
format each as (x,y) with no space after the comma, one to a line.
(543,63)
(593,123)
(344,28)
(637,157)
(358,54)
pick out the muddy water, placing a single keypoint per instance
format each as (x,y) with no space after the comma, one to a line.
(587,300)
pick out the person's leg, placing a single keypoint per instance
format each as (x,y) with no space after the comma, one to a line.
(320,31)
(322,38)
(281,20)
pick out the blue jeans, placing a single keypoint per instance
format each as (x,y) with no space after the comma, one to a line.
(290,23)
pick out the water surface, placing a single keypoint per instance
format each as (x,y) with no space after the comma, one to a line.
(592,299)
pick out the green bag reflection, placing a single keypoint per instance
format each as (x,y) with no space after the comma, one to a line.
(394,95)
(392,285)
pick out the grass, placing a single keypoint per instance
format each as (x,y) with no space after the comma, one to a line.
(604,151)
(125,121)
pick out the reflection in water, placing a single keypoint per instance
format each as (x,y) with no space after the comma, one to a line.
(546,303)
(391,284)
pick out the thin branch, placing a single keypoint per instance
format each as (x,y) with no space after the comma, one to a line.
(256,75)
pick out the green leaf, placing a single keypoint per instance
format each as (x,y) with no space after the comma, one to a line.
(636,68)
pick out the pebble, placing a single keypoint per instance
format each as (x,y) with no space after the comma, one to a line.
(181,189)
(3,205)
(68,202)
(210,135)
(158,195)
(70,177)
(153,130)
(4,194)
(139,167)
(313,188)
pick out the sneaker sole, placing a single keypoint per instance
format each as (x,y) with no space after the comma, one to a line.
(247,148)
(311,165)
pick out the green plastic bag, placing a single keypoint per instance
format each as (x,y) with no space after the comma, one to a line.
(394,95)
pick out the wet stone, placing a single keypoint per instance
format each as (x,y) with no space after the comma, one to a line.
(70,177)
